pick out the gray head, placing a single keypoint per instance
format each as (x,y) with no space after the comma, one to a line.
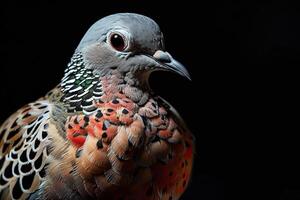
(129,43)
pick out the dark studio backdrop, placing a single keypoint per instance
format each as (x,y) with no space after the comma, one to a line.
(242,57)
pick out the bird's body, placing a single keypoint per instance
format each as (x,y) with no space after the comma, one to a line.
(101,133)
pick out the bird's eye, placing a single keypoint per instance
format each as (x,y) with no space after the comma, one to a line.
(118,41)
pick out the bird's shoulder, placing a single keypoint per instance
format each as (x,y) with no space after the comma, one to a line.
(23,141)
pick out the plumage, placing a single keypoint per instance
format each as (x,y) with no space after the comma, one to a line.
(101,133)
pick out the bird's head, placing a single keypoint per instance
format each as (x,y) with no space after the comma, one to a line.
(129,43)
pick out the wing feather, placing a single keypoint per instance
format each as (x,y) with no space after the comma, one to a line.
(23,153)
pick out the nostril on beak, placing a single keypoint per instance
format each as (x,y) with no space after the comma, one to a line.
(162,56)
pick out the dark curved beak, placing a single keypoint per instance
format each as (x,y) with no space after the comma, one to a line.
(170,64)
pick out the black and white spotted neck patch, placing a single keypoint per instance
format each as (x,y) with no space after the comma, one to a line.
(80,86)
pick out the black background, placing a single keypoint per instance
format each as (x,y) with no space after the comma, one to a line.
(240,105)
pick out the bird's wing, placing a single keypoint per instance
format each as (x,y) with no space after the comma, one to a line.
(23,152)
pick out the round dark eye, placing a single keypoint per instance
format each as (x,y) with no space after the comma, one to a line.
(117,41)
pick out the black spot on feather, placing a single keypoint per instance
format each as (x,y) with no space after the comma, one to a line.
(27,180)
(8,171)
(17,192)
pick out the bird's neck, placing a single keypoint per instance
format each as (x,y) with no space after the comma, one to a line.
(117,85)
(81,87)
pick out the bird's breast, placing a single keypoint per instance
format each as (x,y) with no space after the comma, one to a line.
(124,146)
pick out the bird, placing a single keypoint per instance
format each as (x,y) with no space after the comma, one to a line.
(102,133)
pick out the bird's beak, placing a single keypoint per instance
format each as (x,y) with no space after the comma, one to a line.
(167,62)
